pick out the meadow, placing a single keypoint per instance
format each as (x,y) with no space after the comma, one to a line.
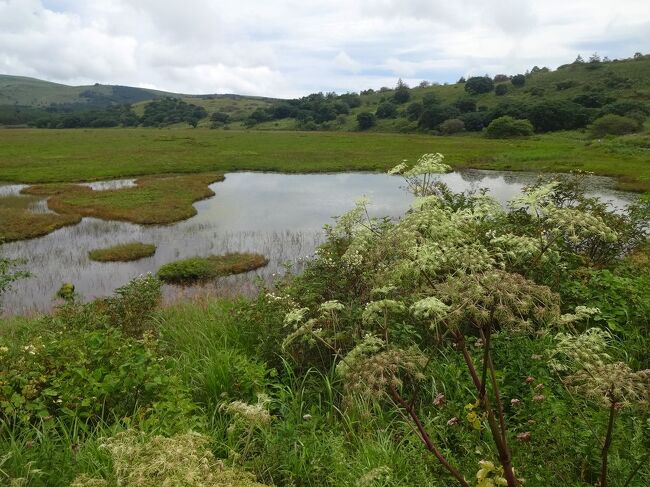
(44,156)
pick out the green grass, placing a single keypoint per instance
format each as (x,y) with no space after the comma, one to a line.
(154,200)
(195,269)
(35,156)
(123,252)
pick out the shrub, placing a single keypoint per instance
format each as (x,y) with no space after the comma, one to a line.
(479,84)
(500,90)
(386,109)
(414,110)
(203,268)
(505,127)
(131,308)
(433,115)
(452,126)
(465,105)
(93,375)
(474,121)
(123,252)
(557,115)
(221,117)
(366,120)
(613,125)
(402,93)
(518,80)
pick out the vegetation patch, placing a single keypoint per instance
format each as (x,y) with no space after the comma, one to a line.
(44,156)
(204,268)
(154,200)
(19,222)
(123,252)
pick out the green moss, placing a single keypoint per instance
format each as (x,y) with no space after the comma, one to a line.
(123,252)
(204,268)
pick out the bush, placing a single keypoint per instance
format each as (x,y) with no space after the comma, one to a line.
(366,120)
(414,110)
(474,121)
(402,93)
(465,105)
(386,109)
(518,80)
(505,127)
(613,125)
(500,90)
(550,115)
(452,126)
(131,308)
(71,373)
(479,84)
(434,115)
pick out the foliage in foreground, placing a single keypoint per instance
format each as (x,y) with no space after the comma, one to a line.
(510,343)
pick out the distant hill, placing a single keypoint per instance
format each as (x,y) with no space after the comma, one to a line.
(31,92)
(575,94)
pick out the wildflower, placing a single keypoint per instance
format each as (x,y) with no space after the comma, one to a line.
(525,437)
(515,403)
(295,316)
(539,397)
(430,308)
(536,357)
(332,305)
(307,417)
(530,380)
(539,387)
(439,400)
(453,421)
(4,350)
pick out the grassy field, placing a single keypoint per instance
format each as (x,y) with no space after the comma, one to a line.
(38,156)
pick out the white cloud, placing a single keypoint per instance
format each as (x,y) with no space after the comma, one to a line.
(293,47)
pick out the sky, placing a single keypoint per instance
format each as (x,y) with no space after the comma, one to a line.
(288,48)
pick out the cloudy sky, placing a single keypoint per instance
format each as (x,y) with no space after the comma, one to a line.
(294,47)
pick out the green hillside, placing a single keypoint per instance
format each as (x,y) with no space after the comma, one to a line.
(31,92)
(578,93)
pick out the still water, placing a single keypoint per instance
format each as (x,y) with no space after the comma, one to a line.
(278,215)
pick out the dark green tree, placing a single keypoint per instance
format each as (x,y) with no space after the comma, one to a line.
(479,84)
(402,92)
(366,120)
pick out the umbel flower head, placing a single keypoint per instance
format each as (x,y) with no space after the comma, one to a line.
(374,375)
(593,373)
(498,299)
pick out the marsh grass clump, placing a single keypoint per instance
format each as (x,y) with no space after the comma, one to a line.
(123,252)
(154,199)
(195,269)
(19,222)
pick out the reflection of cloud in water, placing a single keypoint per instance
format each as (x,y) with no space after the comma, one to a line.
(11,189)
(278,215)
(112,184)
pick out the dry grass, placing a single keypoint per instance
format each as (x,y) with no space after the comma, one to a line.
(123,252)
(195,269)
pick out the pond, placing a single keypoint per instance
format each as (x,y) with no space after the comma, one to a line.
(278,215)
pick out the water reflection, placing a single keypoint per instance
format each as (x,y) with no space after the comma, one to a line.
(278,215)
